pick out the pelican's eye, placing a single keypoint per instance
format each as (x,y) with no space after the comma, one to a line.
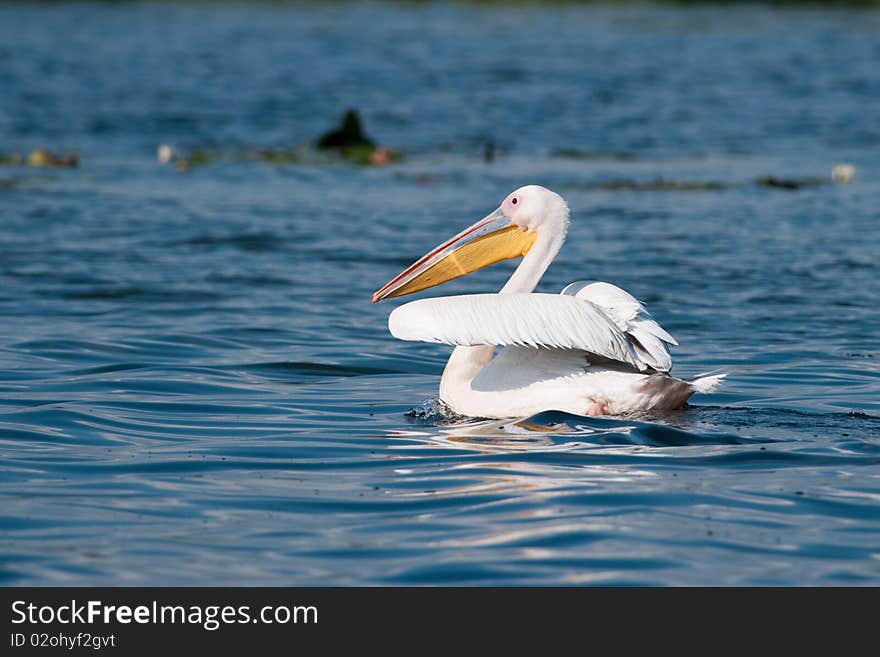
(514,200)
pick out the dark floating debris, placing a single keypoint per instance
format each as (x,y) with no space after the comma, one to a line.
(840,173)
(41,158)
(790,183)
(489,151)
(349,134)
(350,141)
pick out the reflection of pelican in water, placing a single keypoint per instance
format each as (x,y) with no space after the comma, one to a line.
(592,350)
(548,432)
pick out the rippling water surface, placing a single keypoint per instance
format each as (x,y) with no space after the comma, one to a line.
(195,388)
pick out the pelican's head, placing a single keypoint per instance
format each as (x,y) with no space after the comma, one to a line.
(508,232)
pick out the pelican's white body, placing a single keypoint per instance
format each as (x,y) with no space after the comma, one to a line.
(591,350)
(520,381)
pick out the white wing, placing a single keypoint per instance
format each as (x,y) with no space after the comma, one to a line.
(646,336)
(554,321)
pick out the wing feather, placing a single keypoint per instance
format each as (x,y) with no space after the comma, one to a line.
(650,341)
(524,320)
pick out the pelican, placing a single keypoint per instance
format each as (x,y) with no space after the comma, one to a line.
(592,350)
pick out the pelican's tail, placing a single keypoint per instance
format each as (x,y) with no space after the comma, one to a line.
(706,383)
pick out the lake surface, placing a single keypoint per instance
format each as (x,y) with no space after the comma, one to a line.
(196,389)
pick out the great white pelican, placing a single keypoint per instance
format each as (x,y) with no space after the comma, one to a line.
(593,349)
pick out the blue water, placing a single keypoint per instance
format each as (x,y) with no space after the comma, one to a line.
(196,389)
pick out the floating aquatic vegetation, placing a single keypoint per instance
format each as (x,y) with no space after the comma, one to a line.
(197,157)
(277,156)
(347,140)
(583,154)
(655,185)
(200,156)
(13,159)
(662,185)
(840,173)
(41,158)
(168,154)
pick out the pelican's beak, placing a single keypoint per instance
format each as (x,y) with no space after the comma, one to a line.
(490,240)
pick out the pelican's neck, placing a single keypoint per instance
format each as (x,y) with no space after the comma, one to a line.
(537,260)
(466,362)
